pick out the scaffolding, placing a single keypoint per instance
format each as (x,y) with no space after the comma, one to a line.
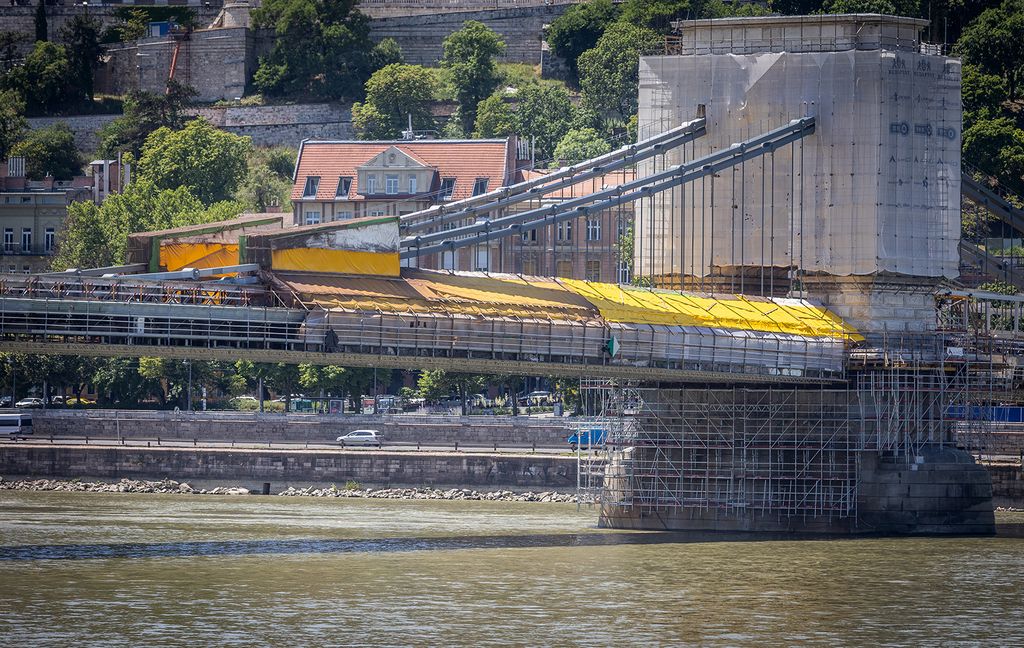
(792,453)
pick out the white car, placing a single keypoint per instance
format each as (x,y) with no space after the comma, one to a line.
(29,403)
(360,438)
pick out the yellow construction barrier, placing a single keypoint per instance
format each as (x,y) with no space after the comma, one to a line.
(175,256)
(642,306)
(356,262)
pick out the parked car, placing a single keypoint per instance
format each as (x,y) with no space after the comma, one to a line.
(29,403)
(592,438)
(360,438)
(5,401)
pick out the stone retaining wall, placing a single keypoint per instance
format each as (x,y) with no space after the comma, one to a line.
(284,467)
(1007,484)
(239,426)
(267,125)
(421,37)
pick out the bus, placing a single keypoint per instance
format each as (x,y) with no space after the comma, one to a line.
(17,426)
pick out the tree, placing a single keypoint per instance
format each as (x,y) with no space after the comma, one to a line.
(494,117)
(983,95)
(544,112)
(322,48)
(579,29)
(438,385)
(81,37)
(993,43)
(12,121)
(393,94)
(262,189)
(144,112)
(41,29)
(609,73)
(335,380)
(95,236)
(579,145)
(207,161)
(997,147)
(9,43)
(386,52)
(469,57)
(119,382)
(50,151)
(45,80)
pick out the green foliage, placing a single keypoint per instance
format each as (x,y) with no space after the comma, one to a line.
(860,6)
(983,95)
(609,73)
(544,112)
(385,53)
(578,30)
(45,80)
(335,380)
(12,121)
(322,49)
(1000,287)
(579,145)
(997,146)
(279,159)
(494,117)
(81,38)
(10,42)
(655,14)
(207,161)
(993,43)
(50,151)
(95,236)
(262,189)
(394,93)
(440,385)
(144,112)
(469,58)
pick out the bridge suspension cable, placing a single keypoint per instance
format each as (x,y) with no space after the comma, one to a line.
(560,179)
(489,229)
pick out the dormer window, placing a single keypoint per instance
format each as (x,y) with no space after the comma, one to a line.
(391,184)
(312,184)
(412,184)
(447,189)
(344,185)
(480,186)
(371,184)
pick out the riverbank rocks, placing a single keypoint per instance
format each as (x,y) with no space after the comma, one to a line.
(169,486)
(429,494)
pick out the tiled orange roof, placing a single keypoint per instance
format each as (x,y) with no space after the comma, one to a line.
(464,160)
(585,187)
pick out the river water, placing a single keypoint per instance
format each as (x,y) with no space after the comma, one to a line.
(87,569)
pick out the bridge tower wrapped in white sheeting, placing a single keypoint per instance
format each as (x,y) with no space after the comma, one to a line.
(875,191)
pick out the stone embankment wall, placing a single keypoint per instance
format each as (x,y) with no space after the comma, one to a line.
(21,19)
(242,427)
(1007,484)
(285,467)
(266,125)
(422,37)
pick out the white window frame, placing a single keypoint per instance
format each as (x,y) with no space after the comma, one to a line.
(344,186)
(345,215)
(563,232)
(593,229)
(371,184)
(447,195)
(413,184)
(480,186)
(50,239)
(312,186)
(376,213)
(26,239)
(312,217)
(8,239)
(624,272)
(391,184)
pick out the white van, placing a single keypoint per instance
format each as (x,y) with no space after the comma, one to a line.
(17,426)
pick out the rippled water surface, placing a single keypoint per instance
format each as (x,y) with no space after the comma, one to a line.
(127,570)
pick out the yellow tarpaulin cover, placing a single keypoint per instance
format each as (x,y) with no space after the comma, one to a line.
(640,306)
(343,261)
(175,256)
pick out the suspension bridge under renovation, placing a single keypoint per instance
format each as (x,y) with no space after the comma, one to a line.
(803,346)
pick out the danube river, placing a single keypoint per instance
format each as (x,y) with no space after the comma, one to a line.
(86,569)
